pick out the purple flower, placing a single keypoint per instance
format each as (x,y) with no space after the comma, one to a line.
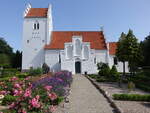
(59,82)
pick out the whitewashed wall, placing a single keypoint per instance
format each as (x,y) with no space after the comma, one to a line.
(33,41)
(33,51)
(119,66)
(52,60)
(101,55)
(67,64)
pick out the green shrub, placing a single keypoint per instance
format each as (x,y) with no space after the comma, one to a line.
(114,73)
(5,79)
(9,72)
(131,85)
(104,69)
(8,111)
(143,87)
(22,75)
(101,79)
(142,80)
(132,97)
(34,72)
(8,99)
(45,68)
(58,100)
(93,76)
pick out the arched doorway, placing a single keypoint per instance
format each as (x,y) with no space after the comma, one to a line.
(78,67)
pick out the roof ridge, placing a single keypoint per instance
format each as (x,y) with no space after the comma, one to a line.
(59,38)
(77,31)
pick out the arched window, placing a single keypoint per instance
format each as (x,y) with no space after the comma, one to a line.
(36,25)
(115,61)
(95,60)
(85,52)
(59,59)
(77,47)
(69,52)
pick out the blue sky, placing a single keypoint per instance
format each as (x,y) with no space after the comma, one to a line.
(115,16)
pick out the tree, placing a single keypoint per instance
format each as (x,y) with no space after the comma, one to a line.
(7,57)
(5,48)
(145,45)
(134,50)
(129,51)
(4,60)
(17,59)
(121,53)
(6,54)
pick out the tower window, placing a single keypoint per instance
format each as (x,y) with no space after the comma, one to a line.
(27,41)
(36,25)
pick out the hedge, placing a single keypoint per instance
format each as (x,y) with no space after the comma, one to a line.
(9,72)
(143,87)
(132,97)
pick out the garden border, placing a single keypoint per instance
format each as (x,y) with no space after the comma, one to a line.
(112,103)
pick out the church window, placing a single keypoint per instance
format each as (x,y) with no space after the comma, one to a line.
(27,41)
(77,47)
(95,60)
(69,52)
(59,59)
(36,25)
(85,52)
(115,61)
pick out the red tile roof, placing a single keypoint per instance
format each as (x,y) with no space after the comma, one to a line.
(37,12)
(112,48)
(96,39)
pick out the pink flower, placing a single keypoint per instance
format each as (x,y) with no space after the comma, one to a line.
(52,108)
(35,102)
(27,93)
(17,85)
(30,85)
(24,111)
(37,97)
(52,96)
(17,92)
(14,78)
(27,78)
(3,92)
(12,105)
(48,88)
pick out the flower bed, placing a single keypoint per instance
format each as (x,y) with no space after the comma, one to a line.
(40,96)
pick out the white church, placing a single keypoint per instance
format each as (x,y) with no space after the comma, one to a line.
(75,51)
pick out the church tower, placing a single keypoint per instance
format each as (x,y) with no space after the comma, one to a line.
(37,29)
